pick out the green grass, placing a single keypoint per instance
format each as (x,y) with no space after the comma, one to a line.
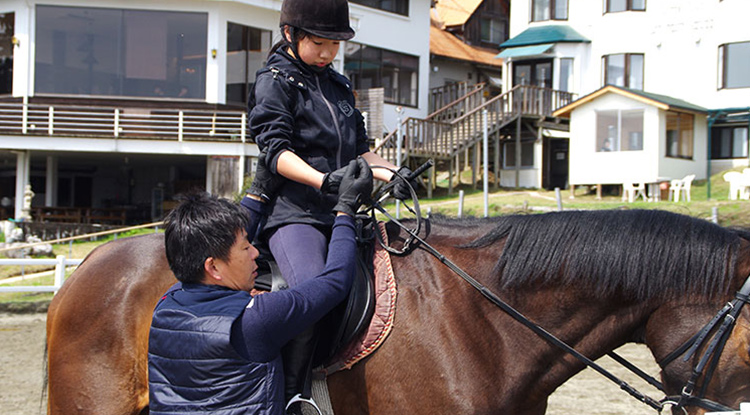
(508,201)
(502,202)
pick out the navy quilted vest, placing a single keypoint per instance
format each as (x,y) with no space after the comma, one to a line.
(193,368)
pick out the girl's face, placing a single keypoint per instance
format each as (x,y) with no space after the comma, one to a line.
(317,51)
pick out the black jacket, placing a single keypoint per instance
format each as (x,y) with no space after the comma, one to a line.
(312,114)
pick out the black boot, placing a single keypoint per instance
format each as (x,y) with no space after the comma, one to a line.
(298,365)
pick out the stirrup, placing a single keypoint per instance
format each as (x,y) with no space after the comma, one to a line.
(298,398)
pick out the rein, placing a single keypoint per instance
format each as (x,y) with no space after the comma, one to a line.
(729,313)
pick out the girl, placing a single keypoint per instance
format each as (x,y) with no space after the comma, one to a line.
(303,117)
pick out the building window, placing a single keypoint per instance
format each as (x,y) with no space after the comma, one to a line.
(679,135)
(394,6)
(7,24)
(527,154)
(734,59)
(549,10)
(624,5)
(729,143)
(371,67)
(566,74)
(247,48)
(115,52)
(493,31)
(619,130)
(624,69)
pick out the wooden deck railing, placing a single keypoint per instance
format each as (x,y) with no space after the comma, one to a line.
(122,122)
(436,138)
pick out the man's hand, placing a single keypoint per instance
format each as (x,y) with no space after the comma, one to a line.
(400,185)
(265,184)
(355,188)
(332,181)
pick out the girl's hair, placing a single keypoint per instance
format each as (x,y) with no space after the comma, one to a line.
(295,33)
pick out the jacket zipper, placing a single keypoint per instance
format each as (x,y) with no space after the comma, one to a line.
(335,123)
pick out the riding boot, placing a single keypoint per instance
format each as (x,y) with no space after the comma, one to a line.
(298,362)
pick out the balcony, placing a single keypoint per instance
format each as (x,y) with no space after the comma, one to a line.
(142,120)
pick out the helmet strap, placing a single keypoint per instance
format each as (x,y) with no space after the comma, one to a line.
(293,44)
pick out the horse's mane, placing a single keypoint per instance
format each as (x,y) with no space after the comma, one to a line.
(639,254)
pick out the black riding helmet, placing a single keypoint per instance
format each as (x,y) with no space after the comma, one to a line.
(328,19)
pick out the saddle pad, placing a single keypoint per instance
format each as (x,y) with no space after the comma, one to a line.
(382,319)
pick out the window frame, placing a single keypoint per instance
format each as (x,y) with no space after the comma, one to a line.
(627,69)
(723,58)
(381,75)
(246,48)
(120,74)
(716,137)
(509,148)
(617,146)
(493,21)
(6,61)
(552,11)
(680,137)
(628,7)
(403,10)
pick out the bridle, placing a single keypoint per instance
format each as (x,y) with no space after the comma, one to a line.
(705,367)
(710,358)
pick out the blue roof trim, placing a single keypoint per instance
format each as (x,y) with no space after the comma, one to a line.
(545,34)
(521,51)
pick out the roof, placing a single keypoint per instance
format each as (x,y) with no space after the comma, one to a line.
(447,45)
(456,12)
(545,34)
(660,101)
(524,51)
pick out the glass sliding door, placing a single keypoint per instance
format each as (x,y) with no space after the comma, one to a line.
(120,52)
(247,48)
(7,24)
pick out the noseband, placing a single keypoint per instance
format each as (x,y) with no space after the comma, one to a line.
(710,358)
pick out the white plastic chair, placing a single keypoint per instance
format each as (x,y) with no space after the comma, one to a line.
(734,178)
(745,184)
(631,192)
(687,183)
(674,190)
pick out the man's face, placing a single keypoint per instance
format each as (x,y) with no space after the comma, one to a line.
(238,272)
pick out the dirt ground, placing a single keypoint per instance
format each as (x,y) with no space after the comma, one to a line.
(21,376)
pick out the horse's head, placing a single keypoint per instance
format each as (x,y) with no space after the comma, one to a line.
(704,352)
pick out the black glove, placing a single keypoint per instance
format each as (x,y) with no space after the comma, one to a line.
(332,181)
(355,188)
(265,183)
(400,186)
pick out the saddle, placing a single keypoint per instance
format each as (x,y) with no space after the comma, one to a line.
(357,326)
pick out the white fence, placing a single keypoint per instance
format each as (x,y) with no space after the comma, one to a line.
(60,263)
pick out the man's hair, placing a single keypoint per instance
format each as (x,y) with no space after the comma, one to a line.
(201,226)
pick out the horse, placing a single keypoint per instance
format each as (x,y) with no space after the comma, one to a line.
(594,279)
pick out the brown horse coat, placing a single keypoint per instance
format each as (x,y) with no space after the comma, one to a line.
(450,351)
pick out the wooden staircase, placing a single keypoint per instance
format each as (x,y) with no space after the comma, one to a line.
(459,125)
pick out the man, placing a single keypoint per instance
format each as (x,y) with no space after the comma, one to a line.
(214,347)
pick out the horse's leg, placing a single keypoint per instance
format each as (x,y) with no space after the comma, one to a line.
(97,329)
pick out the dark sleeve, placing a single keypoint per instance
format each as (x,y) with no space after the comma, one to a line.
(363,145)
(272,319)
(258,211)
(271,119)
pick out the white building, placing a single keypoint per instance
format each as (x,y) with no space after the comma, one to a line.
(123,104)
(691,51)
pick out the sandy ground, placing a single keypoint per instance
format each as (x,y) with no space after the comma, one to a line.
(21,376)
